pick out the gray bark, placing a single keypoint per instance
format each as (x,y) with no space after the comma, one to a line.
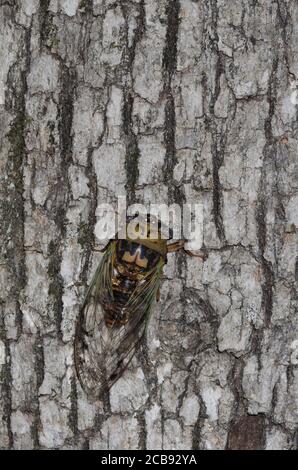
(168,101)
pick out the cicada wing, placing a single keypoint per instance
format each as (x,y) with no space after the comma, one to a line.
(103,352)
(125,340)
(92,336)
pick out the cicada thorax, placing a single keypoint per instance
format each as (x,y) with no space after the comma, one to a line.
(133,262)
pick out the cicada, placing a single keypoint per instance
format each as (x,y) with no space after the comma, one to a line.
(117,307)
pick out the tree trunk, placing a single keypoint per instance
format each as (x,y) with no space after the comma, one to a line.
(167,101)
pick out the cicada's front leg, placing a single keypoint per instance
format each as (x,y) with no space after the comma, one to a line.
(176,246)
(179,245)
(158,294)
(98,248)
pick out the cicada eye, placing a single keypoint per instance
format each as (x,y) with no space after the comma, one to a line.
(122,246)
(152,257)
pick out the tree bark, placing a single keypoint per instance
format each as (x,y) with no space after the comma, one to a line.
(167,101)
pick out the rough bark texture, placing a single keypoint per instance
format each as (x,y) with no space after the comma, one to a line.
(168,101)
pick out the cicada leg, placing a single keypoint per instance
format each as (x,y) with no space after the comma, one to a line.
(176,246)
(179,245)
(101,250)
(158,294)
(199,254)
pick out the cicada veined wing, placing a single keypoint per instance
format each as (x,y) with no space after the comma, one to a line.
(103,349)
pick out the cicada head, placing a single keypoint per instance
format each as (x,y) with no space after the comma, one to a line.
(148,232)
